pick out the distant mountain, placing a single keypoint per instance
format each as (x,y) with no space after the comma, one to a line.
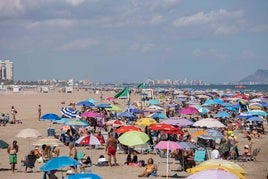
(260,77)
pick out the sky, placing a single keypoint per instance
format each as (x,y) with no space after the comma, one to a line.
(133,40)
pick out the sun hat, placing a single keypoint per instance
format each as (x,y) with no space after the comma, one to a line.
(246,146)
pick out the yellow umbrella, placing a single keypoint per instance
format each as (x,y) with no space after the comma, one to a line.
(114,108)
(254,107)
(146,121)
(220,164)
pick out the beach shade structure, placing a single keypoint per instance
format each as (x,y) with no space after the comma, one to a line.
(58,163)
(50,117)
(203,110)
(124,129)
(241,96)
(86,103)
(200,132)
(69,112)
(176,121)
(3,144)
(188,111)
(169,146)
(158,115)
(154,102)
(62,120)
(213,174)
(134,110)
(155,107)
(146,121)
(110,98)
(257,119)
(76,123)
(209,123)
(222,114)
(244,115)
(89,114)
(115,123)
(219,164)
(114,108)
(88,140)
(258,113)
(103,105)
(254,106)
(187,145)
(84,176)
(212,134)
(133,138)
(51,141)
(28,133)
(165,128)
(92,100)
(231,108)
(126,114)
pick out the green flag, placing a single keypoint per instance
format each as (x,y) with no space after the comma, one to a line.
(140,86)
(123,94)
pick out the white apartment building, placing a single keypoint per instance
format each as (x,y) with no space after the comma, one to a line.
(6,70)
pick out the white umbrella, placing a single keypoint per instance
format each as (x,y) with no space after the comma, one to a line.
(28,133)
(209,123)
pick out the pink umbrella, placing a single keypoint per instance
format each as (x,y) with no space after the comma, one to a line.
(90,114)
(115,123)
(212,174)
(110,98)
(189,110)
(88,140)
(176,121)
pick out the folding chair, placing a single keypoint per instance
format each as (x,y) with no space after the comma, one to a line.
(200,156)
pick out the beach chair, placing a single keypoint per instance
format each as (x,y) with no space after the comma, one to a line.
(29,162)
(200,156)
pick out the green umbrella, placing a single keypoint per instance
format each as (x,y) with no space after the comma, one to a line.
(3,144)
(133,138)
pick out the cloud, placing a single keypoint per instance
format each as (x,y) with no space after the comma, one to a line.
(53,23)
(260,28)
(75,2)
(221,21)
(80,44)
(157,19)
(10,8)
(209,54)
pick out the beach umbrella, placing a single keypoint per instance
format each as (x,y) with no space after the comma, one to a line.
(158,116)
(257,112)
(168,145)
(126,114)
(165,128)
(154,102)
(187,145)
(124,129)
(258,119)
(219,164)
(189,111)
(92,100)
(59,162)
(244,115)
(203,110)
(155,107)
(199,132)
(89,114)
(146,121)
(88,140)
(62,120)
(110,98)
(103,105)
(213,174)
(69,112)
(86,103)
(176,121)
(115,123)
(84,176)
(114,108)
(76,122)
(209,123)
(51,141)
(222,114)
(28,133)
(50,117)
(3,144)
(132,138)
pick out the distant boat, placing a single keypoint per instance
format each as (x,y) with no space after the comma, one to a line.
(240,87)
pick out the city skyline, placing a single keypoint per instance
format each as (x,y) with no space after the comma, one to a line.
(130,41)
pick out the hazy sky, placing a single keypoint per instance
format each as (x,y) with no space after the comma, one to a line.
(132,40)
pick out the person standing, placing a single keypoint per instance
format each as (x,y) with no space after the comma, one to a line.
(39,111)
(13,114)
(12,151)
(111,147)
(73,154)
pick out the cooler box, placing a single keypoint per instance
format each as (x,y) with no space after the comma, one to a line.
(51,132)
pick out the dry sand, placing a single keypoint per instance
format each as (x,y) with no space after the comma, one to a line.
(26,102)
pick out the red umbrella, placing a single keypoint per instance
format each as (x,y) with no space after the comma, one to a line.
(115,123)
(88,140)
(124,129)
(241,96)
(166,128)
(189,110)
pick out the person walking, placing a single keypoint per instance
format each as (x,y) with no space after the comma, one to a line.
(12,151)
(39,111)
(111,147)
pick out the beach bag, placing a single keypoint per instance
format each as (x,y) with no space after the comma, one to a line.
(40,160)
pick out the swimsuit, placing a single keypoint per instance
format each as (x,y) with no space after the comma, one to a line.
(12,158)
(111,150)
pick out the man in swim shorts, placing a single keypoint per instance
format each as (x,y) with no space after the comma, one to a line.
(12,151)
(111,146)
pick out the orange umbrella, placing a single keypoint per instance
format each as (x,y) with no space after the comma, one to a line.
(199,132)
(124,129)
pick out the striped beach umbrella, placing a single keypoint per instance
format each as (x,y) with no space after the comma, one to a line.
(68,112)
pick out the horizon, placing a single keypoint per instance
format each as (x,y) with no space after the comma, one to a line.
(126,40)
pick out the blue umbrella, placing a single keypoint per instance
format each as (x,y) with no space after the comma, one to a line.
(84,176)
(92,100)
(126,114)
(68,112)
(154,102)
(244,115)
(59,162)
(104,105)
(258,112)
(75,122)
(158,116)
(222,114)
(50,117)
(62,120)
(85,103)
(187,145)
(258,119)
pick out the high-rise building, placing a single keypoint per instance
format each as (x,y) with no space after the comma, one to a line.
(6,70)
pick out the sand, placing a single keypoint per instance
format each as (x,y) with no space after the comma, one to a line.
(26,102)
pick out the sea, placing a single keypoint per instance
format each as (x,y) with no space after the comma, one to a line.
(247,88)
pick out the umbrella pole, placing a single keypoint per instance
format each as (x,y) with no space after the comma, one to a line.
(167,158)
